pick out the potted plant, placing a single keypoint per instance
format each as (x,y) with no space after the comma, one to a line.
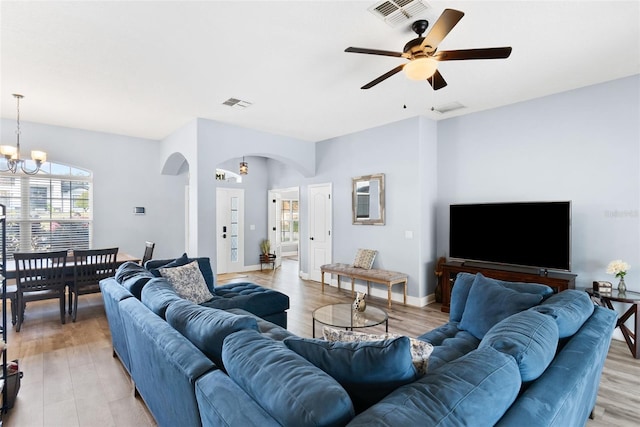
(265,247)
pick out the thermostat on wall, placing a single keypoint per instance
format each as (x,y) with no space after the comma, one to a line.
(138,210)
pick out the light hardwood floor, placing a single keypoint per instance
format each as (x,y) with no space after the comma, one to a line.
(71,378)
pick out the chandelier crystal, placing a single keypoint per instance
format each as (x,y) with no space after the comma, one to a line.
(12,154)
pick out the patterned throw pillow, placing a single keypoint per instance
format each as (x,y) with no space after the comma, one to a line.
(364,258)
(420,350)
(188,282)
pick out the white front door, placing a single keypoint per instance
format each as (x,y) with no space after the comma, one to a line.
(275,209)
(230,229)
(320,240)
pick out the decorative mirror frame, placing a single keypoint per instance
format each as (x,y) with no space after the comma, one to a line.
(356,183)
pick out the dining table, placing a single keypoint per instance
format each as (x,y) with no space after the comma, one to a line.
(121,258)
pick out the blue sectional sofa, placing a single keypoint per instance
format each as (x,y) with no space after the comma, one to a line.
(512,354)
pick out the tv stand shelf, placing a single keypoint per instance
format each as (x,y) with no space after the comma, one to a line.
(556,280)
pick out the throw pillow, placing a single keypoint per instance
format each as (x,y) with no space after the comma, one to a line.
(530,337)
(365,258)
(489,302)
(183,260)
(420,350)
(368,370)
(188,282)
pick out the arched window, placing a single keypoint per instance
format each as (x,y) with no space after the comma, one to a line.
(49,211)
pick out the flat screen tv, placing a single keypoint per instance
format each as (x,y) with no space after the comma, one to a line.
(529,234)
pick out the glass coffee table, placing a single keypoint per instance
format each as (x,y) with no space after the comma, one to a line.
(344,316)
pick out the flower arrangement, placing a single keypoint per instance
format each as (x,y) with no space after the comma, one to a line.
(618,268)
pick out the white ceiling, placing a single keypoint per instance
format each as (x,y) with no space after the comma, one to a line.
(146,68)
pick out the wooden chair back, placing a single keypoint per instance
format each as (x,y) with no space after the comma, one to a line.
(92,265)
(148,251)
(40,271)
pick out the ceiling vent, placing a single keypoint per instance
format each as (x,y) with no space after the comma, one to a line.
(447,108)
(238,103)
(397,12)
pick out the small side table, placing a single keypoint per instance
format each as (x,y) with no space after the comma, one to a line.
(268,259)
(628,297)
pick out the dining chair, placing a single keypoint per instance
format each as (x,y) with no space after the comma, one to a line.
(39,276)
(89,267)
(148,251)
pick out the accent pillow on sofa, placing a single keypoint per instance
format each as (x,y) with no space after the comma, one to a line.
(530,337)
(368,370)
(204,263)
(207,327)
(569,308)
(364,258)
(188,282)
(420,350)
(489,302)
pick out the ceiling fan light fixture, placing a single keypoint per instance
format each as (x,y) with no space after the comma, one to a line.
(421,68)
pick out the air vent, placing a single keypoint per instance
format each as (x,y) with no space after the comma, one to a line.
(397,12)
(238,103)
(447,108)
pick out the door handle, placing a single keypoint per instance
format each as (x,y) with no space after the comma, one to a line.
(224,235)
(224,228)
(310,238)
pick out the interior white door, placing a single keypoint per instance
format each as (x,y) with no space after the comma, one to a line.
(275,212)
(230,229)
(320,240)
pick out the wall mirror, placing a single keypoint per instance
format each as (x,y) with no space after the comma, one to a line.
(368,199)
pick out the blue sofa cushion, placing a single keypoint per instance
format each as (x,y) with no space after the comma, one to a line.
(250,297)
(570,309)
(133,277)
(368,370)
(474,390)
(286,385)
(530,337)
(206,327)
(204,263)
(489,302)
(449,343)
(127,270)
(459,295)
(158,294)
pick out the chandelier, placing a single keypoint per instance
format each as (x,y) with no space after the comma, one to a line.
(12,154)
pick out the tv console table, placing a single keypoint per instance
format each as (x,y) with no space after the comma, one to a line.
(559,281)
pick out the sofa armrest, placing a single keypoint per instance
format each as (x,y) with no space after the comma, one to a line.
(566,393)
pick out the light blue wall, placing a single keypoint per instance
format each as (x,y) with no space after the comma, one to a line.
(582,145)
(406,153)
(126,173)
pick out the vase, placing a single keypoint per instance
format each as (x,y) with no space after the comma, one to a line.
(360,304)
(622,287)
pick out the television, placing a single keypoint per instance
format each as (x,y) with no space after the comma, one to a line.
(527,234)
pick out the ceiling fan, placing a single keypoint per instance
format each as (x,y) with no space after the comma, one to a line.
(423,55)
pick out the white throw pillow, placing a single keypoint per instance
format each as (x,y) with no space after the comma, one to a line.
(420,350)
(188,282)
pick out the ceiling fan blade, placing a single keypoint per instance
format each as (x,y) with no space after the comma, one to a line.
(374,51)
(437,81)
(441,28)
(488,53)
(383,77)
